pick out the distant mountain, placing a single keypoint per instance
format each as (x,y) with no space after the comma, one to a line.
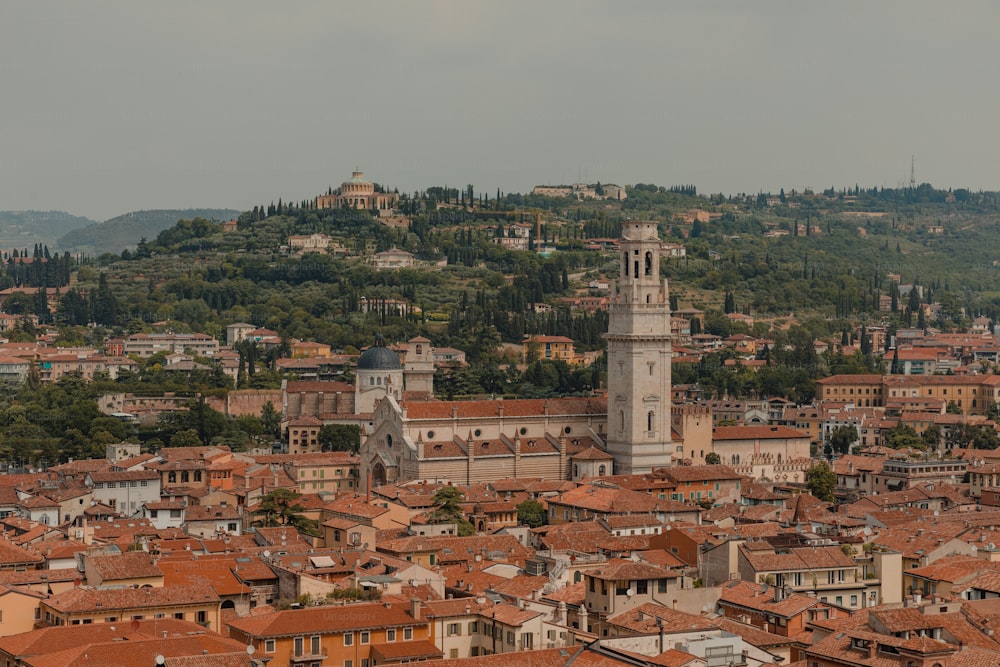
(125,231)
(23,229)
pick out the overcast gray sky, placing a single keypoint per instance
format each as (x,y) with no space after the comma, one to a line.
(107,107)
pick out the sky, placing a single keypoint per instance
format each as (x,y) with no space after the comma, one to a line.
(113,106)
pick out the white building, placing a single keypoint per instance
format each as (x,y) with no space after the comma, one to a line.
(126,491)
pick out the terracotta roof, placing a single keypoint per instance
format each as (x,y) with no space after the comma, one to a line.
(553,657)
(805,558)
(406,651)
(511,408)
(649,617)
(324,620)
(681,474)
(55,639)
(211,513)
(749,596)
(627,570)
(755,432)
(87,599)
(221,574)
(130,565)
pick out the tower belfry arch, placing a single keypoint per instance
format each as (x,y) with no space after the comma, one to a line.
(639,352)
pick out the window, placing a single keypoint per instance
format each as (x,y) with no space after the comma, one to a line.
(348,663)
(641,587)
(179,616)
(390,635)
(366,637)
(231,527)
(510,637)
(268,646)
(407,633)
(201,616)
(661,585)
(143,482)
(454,629)
(298,647)
(314,646)
(348,639)
(473,627)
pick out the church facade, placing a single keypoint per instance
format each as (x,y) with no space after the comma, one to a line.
(357,193)
(633,430)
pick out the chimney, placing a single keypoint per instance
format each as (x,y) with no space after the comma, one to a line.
(872,648)
(415,609)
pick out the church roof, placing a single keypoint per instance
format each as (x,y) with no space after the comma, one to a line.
(379,358)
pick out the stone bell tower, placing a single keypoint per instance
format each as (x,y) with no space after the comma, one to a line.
(639,352)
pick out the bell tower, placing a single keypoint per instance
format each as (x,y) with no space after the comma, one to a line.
(639,398)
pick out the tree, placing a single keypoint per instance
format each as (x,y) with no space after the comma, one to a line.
(447,509)
(531,513)
(841,439)
(186,438)
(712,458)
(903,437)
(821,481)
(281,507)
(271,419)
(340,437)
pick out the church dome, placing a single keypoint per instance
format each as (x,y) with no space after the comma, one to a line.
(379,358)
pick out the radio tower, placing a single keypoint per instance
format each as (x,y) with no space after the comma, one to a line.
(913,177)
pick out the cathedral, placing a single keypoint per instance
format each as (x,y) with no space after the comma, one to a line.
(633,430)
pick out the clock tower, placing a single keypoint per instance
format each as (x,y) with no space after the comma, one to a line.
(639,352)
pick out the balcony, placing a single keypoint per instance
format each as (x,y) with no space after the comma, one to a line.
(297,659)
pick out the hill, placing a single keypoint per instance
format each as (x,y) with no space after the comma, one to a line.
(23,229)
(125,231)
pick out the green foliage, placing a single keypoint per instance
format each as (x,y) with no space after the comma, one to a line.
(340,437)
(841,439)
(712,458)
(531,513)
(447,509)
(821,481)
(903,437)
(280,507)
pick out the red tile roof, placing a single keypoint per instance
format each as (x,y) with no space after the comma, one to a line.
(325,620)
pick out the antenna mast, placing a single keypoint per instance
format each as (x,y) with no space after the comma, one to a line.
(913,177)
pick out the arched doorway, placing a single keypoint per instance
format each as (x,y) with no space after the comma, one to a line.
(378,474)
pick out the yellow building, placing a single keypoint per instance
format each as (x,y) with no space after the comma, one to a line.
(864,390)
(353,635)
(548,347)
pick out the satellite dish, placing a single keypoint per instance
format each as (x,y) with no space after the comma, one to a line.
(667,528)
(250,649)
(991,546)
(788,591)
(937,513)
(867,530)
(160,660)
(974,548)
(266,554)
(630,592)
